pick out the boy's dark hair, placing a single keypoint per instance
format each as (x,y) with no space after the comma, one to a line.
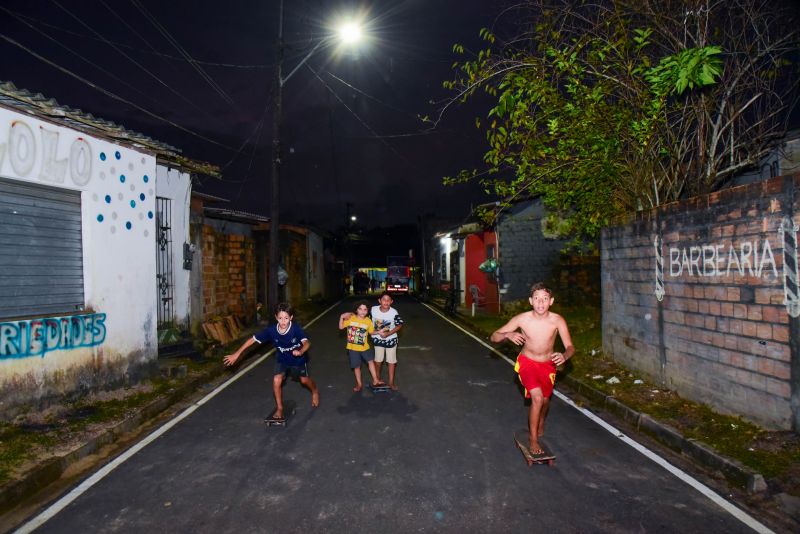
(541,286)
(362,303)
(284,307)
(387,294)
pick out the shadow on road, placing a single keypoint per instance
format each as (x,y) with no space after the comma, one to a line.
(367,405)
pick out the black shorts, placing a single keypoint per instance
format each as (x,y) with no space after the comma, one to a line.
(357,356)
(295,371)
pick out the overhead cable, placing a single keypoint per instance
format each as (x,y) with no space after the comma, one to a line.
(214,85)
(110,94)
(129,58)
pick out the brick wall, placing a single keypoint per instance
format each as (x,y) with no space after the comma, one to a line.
(228,272)
(693,296)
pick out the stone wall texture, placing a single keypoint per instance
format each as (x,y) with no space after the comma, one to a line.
(700,295)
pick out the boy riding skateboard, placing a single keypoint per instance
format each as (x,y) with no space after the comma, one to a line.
(535,331)
(291,344)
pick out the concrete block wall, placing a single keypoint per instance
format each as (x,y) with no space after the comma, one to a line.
(526,257)
(699,295)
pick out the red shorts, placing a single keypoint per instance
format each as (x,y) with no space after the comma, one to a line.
(535,374)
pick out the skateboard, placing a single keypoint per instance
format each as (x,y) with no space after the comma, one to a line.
(522,439)
(380,389)
(279,421)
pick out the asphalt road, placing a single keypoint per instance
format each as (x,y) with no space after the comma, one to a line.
(436,456)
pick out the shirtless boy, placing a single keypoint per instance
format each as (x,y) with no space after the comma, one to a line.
(536,365)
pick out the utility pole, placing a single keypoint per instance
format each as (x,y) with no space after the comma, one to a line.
(275,202)
(349,33)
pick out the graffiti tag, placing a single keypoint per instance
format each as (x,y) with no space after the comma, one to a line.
(36,337)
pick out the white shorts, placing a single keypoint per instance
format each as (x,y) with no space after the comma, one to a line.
(387,353)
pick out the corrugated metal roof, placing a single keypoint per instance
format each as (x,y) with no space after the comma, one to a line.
(49,109)
(236,215)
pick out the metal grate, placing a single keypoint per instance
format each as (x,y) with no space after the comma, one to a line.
(41,250)
(164,260)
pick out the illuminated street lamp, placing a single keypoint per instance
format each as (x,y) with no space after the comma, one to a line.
(349,33)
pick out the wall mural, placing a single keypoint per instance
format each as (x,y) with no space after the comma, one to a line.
(125,188)
(36,337)
(747,258)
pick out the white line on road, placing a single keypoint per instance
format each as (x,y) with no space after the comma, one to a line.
(723,503)
(64,501)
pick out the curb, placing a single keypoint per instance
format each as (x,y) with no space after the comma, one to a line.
(45,474)
(696,450)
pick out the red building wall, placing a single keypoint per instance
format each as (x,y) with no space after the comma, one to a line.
(475,254)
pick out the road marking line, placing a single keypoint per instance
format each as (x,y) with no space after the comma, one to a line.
(720,501)
(96,477)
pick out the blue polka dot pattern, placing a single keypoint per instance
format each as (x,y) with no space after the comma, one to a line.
(102,156)
(122,178)
(100,218)
(108,199)
(149,214)
(128,225)
(141,197)
(117,155)
(133,203)
(146,178)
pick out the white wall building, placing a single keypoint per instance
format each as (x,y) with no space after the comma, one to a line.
(79,225)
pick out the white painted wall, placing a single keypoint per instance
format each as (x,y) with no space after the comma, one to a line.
(177,186)
(118,188)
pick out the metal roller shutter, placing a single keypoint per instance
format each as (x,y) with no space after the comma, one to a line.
(41,252)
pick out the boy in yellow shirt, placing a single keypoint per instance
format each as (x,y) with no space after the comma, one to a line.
(359,326)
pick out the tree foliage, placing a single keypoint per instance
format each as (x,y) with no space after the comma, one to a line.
(611,106)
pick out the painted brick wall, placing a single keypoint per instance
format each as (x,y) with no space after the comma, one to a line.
(712,320)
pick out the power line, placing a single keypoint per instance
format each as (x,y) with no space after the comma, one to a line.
(375,135)
(159,80)
(109,93)
(375,99)
(153,51)
(183,52)
(95,65)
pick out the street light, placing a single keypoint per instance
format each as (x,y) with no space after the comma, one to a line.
(349,33)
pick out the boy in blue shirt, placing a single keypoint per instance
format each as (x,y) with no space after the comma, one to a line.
(291,345)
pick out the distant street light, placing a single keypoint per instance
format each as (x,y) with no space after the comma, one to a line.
(353,218)
(349,33)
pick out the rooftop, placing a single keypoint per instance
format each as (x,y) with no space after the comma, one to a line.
(50,110)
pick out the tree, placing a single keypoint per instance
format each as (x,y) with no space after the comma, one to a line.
(611,106)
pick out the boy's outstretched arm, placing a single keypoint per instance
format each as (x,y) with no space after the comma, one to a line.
(230,359)
(509,332)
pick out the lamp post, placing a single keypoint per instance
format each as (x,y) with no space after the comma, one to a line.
(348,33)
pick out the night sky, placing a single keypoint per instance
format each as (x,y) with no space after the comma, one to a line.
(351,129)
